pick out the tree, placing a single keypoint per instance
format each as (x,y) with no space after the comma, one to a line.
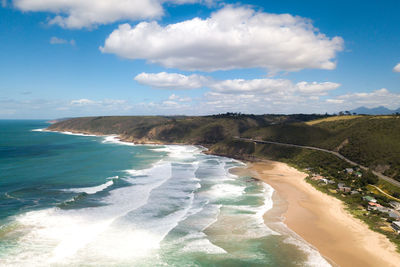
(371,178)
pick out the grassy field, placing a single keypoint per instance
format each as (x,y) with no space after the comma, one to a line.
(333,118)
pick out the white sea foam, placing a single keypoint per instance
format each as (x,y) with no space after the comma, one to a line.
(137,218)
(91,190)
(225,190)
(200,243)
(76,134)
(135,172)
(179,151)
(114,139)
(63,234)
(62,132)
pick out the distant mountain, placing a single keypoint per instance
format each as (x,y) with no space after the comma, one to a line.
(374,111)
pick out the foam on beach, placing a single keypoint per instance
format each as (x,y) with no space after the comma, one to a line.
(114,139)
(76,134)
(314,258)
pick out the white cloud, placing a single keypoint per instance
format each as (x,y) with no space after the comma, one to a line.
(178,98)
(170,103)
(165,80)
(177,81)
(173,97)
(232,38)
(261,86)
(82,102)
(56,40)
(4,3)
(315,88)
(250,96)
(335,101)
(397,68)
(88,13)
(103,104)
(381,97)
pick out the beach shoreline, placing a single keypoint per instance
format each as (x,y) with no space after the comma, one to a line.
(317,218)
(321,220)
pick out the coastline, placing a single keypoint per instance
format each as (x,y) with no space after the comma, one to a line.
(321,220)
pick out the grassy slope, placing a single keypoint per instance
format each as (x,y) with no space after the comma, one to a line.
(373,141)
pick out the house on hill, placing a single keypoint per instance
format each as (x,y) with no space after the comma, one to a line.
(374,206)
(394,214)
(343,188)
(323,181)
(396,226)
(395,205)
(316,177)
(369,199)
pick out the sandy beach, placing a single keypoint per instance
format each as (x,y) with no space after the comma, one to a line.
(321,220)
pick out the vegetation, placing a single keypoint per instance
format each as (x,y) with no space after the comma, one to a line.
(373,141)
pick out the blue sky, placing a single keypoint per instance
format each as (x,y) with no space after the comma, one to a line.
(196,57)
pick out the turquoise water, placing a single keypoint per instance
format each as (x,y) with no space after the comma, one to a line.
(94,201)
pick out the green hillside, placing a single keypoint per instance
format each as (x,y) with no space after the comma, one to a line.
(373,141)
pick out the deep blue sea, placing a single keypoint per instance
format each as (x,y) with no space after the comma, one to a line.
(75,200)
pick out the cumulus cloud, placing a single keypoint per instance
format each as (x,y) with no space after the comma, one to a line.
(166,80)
(397,68)
(231,38)
(316,88)
(179,98)
(264,86)
(56,40)
(177,81)
(89,13)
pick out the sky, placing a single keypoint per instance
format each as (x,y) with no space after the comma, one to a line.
(196,57)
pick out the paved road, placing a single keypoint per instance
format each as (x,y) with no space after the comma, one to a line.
(380,175)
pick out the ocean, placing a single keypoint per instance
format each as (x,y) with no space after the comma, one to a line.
(79,200)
